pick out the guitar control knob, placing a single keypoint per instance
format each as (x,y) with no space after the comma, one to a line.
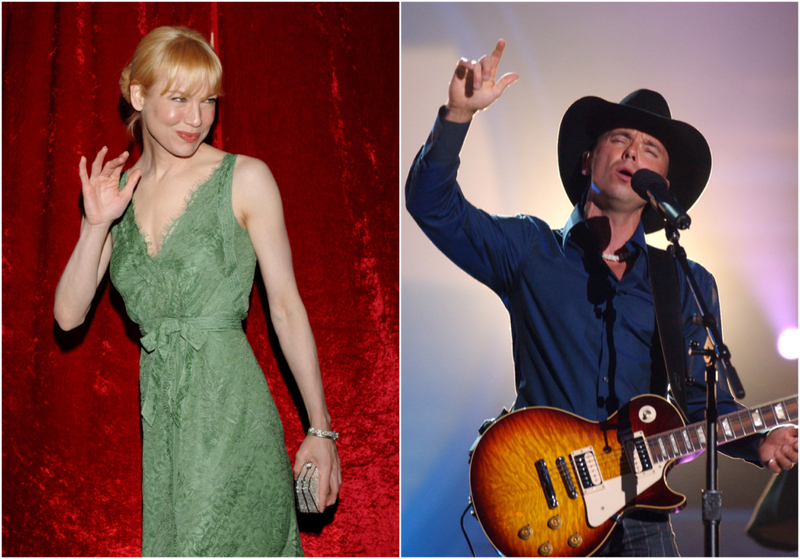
(545,549)
(525,532)
(575,540)
(554,523)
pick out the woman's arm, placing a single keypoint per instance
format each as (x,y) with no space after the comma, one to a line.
(257,206)
(103,202)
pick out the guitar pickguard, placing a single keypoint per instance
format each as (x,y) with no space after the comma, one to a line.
(604,498)
(617,492)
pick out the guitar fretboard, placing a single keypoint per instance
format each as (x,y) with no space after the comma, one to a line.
(691,439)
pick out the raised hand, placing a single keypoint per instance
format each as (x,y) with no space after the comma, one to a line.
(103,201)
(474,86)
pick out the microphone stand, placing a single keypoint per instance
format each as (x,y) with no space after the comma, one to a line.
(715,353)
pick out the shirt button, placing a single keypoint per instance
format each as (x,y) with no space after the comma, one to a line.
(605,379)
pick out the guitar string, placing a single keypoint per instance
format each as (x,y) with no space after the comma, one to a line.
(617,456)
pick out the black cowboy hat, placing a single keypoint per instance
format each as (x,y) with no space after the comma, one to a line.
(648,112)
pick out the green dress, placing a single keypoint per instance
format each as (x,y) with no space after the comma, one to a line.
(216,477)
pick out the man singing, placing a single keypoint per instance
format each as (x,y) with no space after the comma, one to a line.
(580,297)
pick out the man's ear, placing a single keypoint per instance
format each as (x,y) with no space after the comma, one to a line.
(586,164)
(137,97)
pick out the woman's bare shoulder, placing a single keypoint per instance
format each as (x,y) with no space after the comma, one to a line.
(254,189)
(210,156)
(252,177)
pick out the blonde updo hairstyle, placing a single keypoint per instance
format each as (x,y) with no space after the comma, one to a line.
(179,53)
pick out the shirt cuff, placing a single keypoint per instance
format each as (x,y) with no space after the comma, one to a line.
(446,139)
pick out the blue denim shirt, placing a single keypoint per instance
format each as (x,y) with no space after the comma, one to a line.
(582,339)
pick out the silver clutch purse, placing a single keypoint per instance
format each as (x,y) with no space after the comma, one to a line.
(307,489)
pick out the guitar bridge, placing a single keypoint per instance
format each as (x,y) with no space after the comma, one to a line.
(547,484)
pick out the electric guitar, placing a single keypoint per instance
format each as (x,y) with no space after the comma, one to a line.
(547,482)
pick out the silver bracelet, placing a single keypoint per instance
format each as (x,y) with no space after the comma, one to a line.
(332,435)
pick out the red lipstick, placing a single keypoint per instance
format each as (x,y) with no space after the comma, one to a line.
(186,136)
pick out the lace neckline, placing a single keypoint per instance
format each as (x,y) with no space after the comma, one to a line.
(172,223)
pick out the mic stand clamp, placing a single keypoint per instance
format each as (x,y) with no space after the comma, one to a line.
(715,352)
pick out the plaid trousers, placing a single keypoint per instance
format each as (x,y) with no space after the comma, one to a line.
(641,534)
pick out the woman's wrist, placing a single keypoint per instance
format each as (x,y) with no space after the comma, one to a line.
(100,229)
(319,419)
(322,433)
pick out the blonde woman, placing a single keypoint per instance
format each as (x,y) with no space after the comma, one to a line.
(182,231)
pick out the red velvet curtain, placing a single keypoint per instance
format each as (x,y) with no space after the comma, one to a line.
(312,90)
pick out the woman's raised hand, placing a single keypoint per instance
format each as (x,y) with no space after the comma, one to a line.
(474,86)
(103,201)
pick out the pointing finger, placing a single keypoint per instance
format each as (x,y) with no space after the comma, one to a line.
(497,53)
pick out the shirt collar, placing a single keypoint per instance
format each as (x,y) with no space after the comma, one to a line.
(576,224)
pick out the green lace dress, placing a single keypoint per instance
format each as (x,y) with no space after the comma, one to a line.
(216,477)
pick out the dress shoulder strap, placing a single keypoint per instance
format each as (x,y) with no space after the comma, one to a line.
(227,219)
(225,193)
(225,173)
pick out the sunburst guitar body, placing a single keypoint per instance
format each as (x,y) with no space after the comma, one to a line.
(545,482)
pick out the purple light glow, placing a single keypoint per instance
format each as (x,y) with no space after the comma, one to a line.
(789,343)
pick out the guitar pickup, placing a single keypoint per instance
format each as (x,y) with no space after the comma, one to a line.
(638,455)
(547,484)
(588,470)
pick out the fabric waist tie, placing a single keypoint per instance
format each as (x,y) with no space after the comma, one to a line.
(172,343)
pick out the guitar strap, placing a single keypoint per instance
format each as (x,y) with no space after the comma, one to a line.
(670,365)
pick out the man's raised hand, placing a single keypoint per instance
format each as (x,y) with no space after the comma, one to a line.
(474,86)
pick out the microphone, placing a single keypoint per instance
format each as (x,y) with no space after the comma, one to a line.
(653,187)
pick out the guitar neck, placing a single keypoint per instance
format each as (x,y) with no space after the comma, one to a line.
(691,440)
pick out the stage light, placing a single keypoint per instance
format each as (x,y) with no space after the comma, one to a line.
(789,343)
